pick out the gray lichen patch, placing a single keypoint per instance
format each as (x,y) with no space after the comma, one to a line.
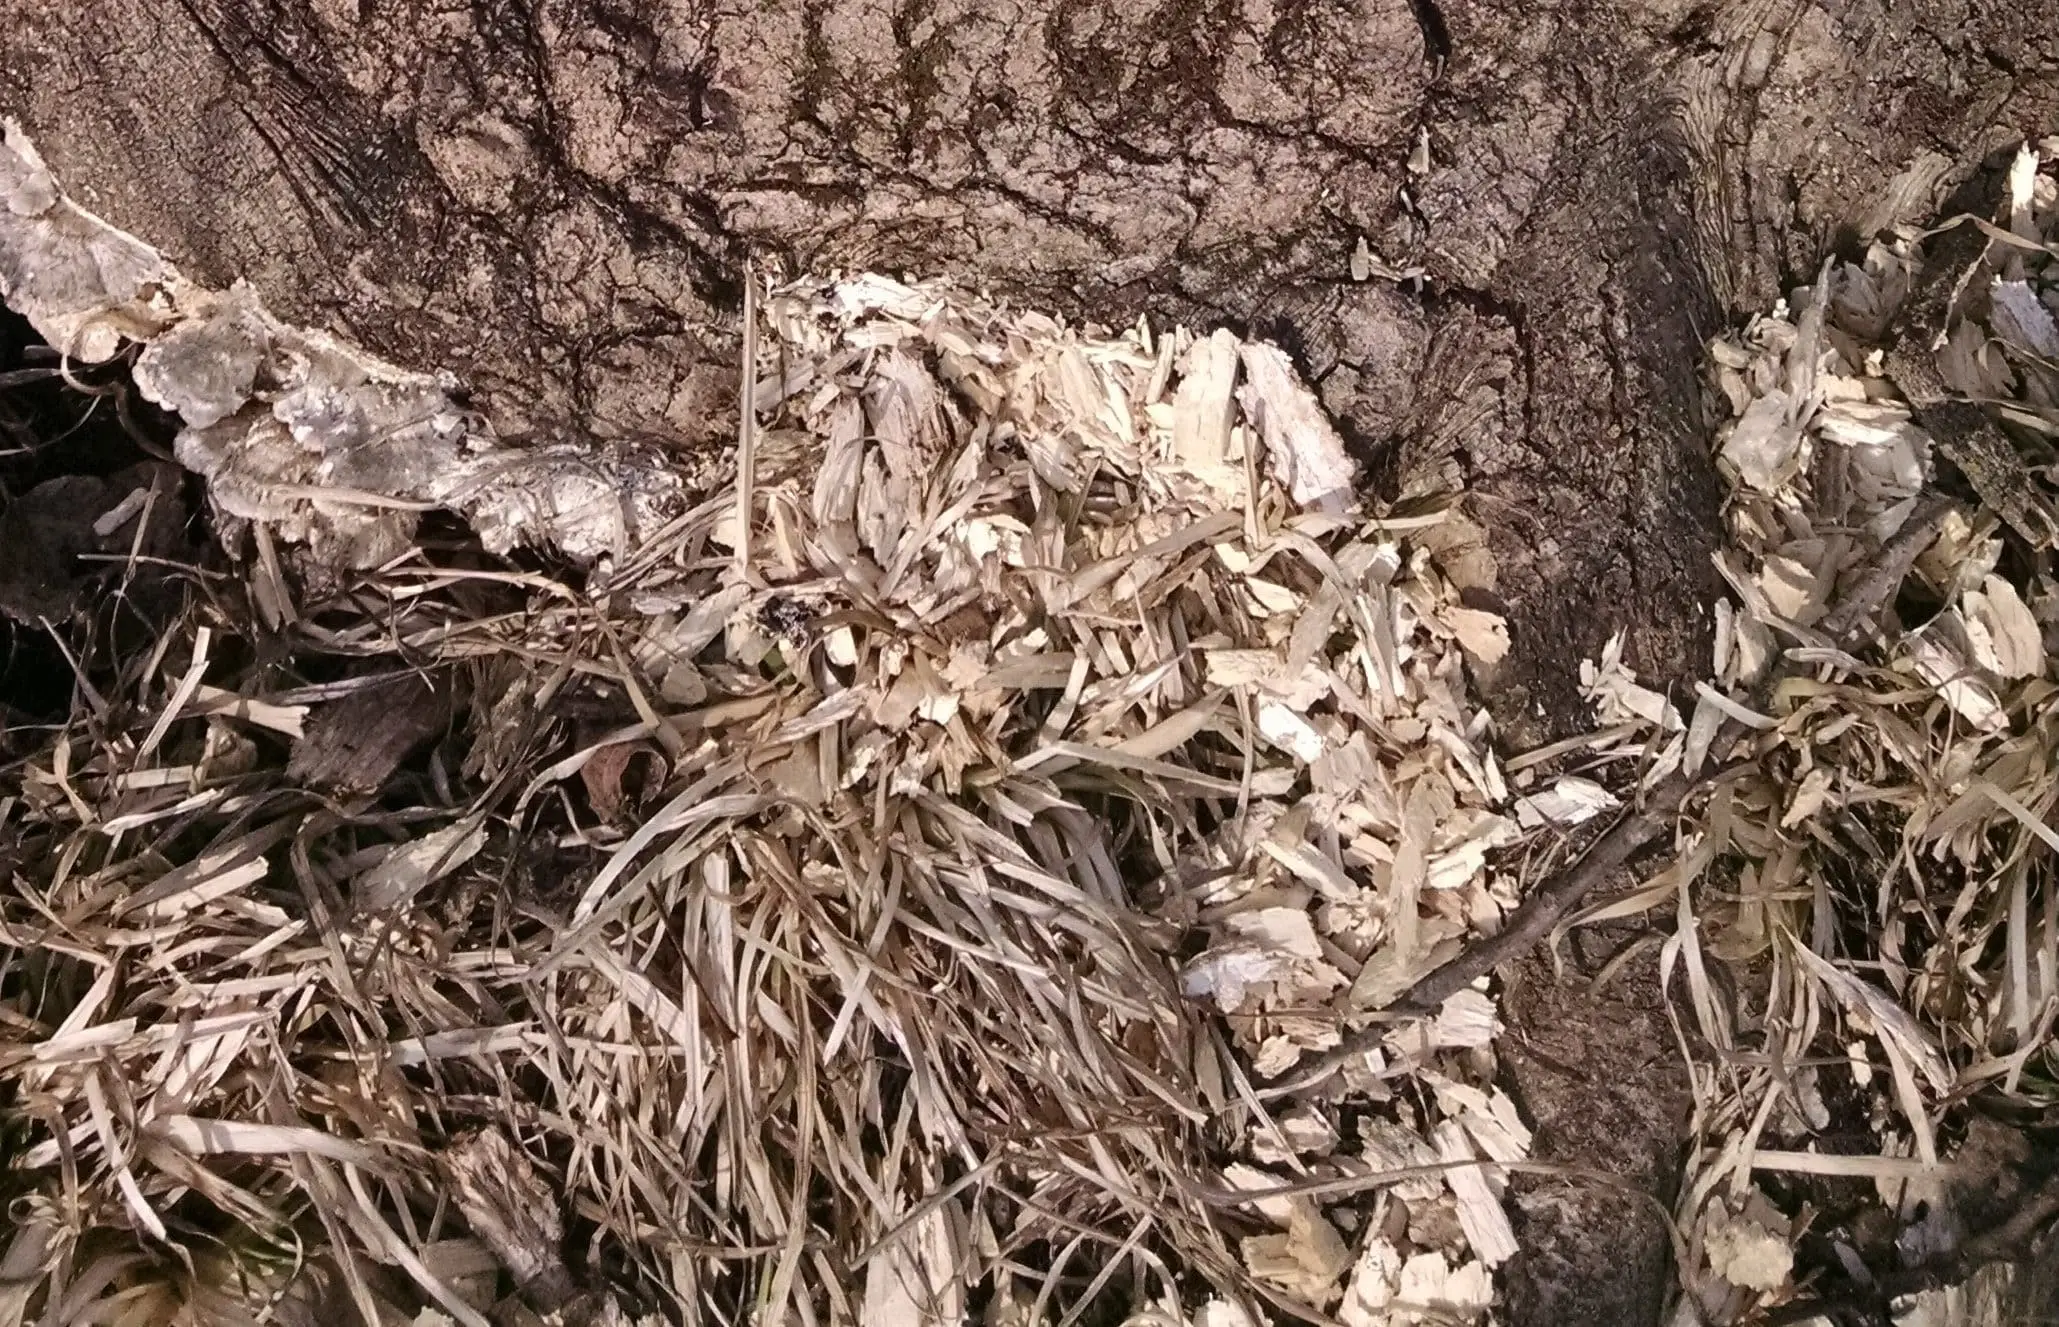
(82,283)
(332,447)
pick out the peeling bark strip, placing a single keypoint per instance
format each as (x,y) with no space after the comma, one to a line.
(511,1207)
(293,427)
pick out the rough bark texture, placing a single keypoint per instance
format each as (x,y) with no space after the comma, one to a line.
(554,198)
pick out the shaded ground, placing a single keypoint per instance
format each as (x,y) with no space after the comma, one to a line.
(553,199)
(1599,1073)
(67,455)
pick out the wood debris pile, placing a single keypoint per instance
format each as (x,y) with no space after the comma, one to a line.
(891,884)
(1882,856)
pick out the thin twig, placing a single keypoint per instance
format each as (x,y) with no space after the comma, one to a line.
(747,423)
(1890,567)
(1525,928)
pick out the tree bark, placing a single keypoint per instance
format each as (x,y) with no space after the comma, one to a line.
(554,199)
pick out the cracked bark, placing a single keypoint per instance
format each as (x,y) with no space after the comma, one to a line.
(553,199)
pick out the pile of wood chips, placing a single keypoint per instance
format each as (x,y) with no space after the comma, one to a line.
(1035,752)
(1880,860)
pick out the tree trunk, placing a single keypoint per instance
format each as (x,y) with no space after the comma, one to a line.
(555,198)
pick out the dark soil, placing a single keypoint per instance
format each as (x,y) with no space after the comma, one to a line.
(74,442)
(554,198)
(1598,1074)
